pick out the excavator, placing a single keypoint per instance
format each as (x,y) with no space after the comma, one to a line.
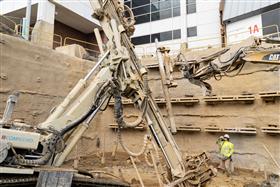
(229,62)
(32,155)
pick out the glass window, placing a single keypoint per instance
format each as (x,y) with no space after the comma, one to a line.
(191,6)
(163,36)
(176,11)
(136,3)
(166,36)
(142,19)
(161,5)
(128,3)
(177,34)
(269,19)
(154,36)
(158,9)
(141,40)
(161,15)
(191,31)
(175,3)
(141,10)
(154,7)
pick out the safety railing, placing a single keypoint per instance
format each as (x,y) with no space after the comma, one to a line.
(88,46)
(57,39)
(273,35)
(10,21)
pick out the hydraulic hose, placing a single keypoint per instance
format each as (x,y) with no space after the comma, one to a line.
(32,162)
(131,153)
(118,108)
(77,122)
(118,112)
(18,159)
(93,109)
(121,123)
(147,160)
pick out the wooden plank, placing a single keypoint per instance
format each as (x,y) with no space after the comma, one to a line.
(188,128)
(221,99)
(241,130)
(274,93)
(244,130)
(183,100)
(269,96)
(271,129)
(212,129)
(248,130)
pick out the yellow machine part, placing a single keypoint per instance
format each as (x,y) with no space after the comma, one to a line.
(264,57)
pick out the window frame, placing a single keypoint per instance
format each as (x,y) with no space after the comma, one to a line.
(161,18)
(173,9)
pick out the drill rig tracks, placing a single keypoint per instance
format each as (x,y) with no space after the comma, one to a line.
(31,181)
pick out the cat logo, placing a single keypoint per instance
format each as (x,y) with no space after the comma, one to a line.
(272,57)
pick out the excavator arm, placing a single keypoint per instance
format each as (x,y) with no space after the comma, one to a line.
(230,61)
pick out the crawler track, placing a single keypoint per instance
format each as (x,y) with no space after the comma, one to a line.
(30,181)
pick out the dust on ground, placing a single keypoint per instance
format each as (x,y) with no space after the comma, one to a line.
(121,168)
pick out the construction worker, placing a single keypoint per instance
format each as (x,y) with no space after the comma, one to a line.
(226,152)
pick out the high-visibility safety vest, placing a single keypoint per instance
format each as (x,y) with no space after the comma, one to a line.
(227,149)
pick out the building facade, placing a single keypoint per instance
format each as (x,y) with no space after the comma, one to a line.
(201,23)
(244,19)
(175,23)
(172,22)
